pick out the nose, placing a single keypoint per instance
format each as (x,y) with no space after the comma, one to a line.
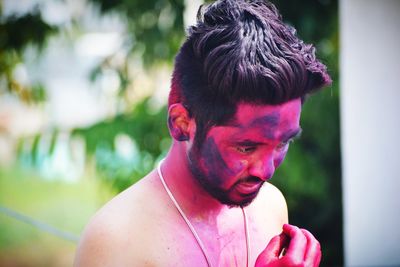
(263,167)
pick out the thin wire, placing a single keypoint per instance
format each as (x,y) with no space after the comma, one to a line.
(196,236)
(39,225)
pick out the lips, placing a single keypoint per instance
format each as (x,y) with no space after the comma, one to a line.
(249,187)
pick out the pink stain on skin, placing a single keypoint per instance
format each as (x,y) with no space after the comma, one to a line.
(293,247)
(239,157)
(236,159)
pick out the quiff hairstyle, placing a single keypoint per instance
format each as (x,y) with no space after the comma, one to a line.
(241,51)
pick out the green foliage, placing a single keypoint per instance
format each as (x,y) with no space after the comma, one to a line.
(17,33)
(148,131)
(36,31)
(156,26)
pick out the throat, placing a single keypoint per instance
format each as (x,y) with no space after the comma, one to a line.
(190,194)
(214,249)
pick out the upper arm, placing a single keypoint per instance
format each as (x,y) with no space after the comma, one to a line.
(112,239)
(283,208)
(280,205)
(271,204)
(99,246)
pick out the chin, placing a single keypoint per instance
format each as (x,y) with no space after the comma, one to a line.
(242,201)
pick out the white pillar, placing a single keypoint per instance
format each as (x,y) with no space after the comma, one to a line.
(370,131)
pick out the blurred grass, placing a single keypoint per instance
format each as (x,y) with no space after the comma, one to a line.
(65,205)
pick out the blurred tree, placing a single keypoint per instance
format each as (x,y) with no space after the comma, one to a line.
(147,129)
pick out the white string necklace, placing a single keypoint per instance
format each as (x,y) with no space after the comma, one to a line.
(189,224)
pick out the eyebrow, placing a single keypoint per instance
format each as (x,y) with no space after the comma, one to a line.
(291,134)
(269,120)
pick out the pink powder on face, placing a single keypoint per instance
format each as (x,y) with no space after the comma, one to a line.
(234,160)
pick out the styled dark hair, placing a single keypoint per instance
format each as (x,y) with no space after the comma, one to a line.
(241,51)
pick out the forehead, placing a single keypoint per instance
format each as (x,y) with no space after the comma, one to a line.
(262,121)
(268,114)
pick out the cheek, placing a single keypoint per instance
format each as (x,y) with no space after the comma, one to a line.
(236,164)
(279,158)
(211,157)
(217,164)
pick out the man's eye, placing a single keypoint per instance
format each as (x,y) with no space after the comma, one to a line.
(283,145)
(245,149)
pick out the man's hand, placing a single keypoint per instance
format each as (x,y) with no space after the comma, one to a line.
(293,247)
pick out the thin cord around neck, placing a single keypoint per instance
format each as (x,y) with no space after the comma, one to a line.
(199,242)
(189,224)
(246,231)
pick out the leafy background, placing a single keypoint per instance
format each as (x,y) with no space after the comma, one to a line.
(310,177)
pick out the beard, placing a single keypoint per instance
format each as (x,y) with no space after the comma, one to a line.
(207,182)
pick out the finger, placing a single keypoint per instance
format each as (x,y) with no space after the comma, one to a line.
(273,249)
(297,245)
(278,245)
(313,253)
(318,260)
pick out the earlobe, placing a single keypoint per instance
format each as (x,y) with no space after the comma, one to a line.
(178,122)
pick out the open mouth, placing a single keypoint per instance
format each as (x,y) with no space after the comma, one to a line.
(249,186)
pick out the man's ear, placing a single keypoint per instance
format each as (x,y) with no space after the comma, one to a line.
(179,122)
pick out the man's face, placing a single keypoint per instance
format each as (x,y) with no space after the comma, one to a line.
(236,159)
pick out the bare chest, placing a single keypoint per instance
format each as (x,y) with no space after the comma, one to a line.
(168,241)
(182,249)
(177,246)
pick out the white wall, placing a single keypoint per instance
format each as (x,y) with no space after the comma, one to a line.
(370,121)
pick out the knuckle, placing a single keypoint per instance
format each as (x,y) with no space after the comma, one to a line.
(306,232)
(296,230)
(318,245)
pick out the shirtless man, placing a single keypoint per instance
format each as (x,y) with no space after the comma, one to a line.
(237,90)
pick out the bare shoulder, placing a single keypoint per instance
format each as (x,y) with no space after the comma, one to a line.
(118,234)
(270,205)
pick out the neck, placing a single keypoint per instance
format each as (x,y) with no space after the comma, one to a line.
(194,200)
